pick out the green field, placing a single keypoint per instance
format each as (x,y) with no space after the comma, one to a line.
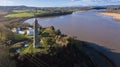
(19,15)
(23,13)
(38,13)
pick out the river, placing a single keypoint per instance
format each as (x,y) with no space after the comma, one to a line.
(89,26)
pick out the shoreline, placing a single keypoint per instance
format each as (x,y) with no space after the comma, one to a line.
(106,58)
(114,15)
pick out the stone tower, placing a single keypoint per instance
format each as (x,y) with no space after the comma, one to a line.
(36,41)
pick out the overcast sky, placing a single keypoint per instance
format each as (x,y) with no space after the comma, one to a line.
(58,3)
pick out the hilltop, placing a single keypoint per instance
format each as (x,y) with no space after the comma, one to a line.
(55,49)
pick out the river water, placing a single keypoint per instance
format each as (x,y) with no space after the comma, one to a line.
(88,26)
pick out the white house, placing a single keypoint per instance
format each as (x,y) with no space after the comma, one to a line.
(18,31)
(30,31)
(21,32)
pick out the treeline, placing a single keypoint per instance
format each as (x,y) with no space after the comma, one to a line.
(45,12)
(56,11)
(5,40)
(7,37)
(113,9)
(53,14)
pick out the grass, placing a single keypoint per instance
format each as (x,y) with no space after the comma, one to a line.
(26,50)
(20,37)
(29,37)
(19,15)
(23,13)
(29,49)
(30,13)
(17,45)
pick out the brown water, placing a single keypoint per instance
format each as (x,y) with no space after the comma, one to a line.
(88,26)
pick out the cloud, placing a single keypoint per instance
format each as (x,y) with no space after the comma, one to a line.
(92,2)
(105,1)
(75,0)
(6,2)
(54,3)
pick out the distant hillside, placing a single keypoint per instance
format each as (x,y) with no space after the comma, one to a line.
(69,7)
(14,7)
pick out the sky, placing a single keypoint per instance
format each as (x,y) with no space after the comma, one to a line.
(58,3)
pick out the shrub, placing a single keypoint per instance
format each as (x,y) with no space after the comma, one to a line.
(19,37)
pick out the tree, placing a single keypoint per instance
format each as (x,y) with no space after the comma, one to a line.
(5,60)
(12,25)
(58,32)
(5,34)
(26,25)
